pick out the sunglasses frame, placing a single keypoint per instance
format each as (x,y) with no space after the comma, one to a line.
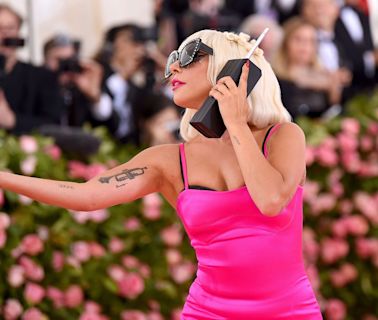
(199,46)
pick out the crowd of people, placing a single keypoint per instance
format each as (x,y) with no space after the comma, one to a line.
(321,51)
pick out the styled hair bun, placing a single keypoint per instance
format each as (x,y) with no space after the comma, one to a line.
(243,39)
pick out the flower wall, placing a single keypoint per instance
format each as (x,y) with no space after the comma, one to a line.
(133,261)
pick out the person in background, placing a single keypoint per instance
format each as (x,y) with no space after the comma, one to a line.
(323,14)
(203,14)
(352,29)
(130,80)
(29,95)
(80,83)
(307,88)
(255,24)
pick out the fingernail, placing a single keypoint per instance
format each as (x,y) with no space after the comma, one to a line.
(247,64)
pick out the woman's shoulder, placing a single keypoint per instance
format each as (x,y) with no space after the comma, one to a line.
(287,135)
(289,130)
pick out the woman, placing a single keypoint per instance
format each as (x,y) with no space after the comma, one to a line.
(307,88)
(239,196)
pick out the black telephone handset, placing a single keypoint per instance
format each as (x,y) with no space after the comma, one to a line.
(208,120)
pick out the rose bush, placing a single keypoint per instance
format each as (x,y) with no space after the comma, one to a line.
(133,261)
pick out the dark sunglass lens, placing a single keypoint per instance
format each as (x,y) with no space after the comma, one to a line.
(187,54)
(173,57)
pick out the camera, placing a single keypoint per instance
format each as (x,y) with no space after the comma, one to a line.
(13,42)
(70,65)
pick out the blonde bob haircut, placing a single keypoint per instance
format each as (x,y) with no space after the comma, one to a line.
(265,105)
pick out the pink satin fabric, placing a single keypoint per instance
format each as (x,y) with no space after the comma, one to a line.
(249,265)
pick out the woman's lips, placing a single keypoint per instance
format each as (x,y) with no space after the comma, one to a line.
(176,84)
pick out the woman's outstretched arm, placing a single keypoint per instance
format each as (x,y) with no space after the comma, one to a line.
(125,183)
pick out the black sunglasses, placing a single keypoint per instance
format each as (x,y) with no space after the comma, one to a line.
(187,55)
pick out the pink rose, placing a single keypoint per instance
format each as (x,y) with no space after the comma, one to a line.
(96,250)
(340,228)
(80,217)
(152,206)
(367,205)
(116,273)
(4,219)
(32,244)
(351,161)
(154,315)
(347,142)
(350,125)
(28,144)
(373,128)
(77,169)
(311,190)
(333,249)
(12,309)
(92,316)
(345,207)
(131,285)
(335,310)
(133,315)
(94,170)
(171,235)
(116,245)
(32,270)
(81,251)
(73,297)
(33,314)
(366,143)
(16,276)
(357,225)
(98,216)
(53,151)
(28,165)
(58,261)
(310,155)
(73,261)
(324,202)
(145,271)
(24,199)
(173,256)
(130,262)
(34,293)
(92,307)
(182,272)
(56,296)
(132,224)
(326,156)
(367,247)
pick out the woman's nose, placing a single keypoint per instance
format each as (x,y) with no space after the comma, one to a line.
(175,67)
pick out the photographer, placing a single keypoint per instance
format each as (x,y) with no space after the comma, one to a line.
(29,95)
(80,83)
(131,64)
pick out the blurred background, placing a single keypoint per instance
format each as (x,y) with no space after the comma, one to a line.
(82,90)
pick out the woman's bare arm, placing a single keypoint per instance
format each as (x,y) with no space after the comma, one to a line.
(273,181)
(125,183)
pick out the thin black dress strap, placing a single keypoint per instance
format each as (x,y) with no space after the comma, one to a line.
(184,174)
(266,136)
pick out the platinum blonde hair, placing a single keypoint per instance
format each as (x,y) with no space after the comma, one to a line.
(265,105)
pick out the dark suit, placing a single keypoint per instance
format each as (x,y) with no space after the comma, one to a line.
(355,51)
(33,95)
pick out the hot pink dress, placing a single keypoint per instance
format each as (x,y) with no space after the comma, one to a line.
(250,266)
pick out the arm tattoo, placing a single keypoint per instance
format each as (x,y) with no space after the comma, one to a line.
(237,140)
(64,186)
(127,174)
